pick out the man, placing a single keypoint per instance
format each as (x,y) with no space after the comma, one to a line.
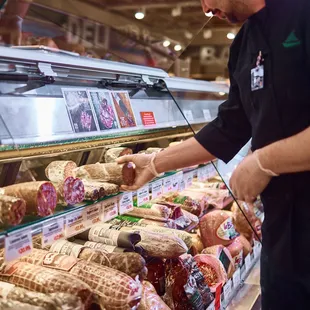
(274,45)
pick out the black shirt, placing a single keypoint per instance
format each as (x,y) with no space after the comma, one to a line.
(281,31)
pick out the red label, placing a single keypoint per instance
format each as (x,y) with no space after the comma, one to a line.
(148,118)
(218,297)
(59,261)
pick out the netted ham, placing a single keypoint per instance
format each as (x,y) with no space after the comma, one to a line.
(236,251)
(112,154)
(223,254)
(240,222)
(132,264)
(212,269)
(12,210)
(40,197)
(115,289)
(216,228)
(112,172)
(59,170)
(150,299)
(44,280)
(70,191)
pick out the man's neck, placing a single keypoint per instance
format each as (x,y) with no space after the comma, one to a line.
(256,5)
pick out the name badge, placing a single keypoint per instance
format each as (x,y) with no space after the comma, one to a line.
(257,74)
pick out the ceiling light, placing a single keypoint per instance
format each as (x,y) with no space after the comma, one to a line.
(177,11)
(188,35)
(166,43)
(230,35)
(221,93)
(209,14)
(140,14)
(207,34)
(178,47)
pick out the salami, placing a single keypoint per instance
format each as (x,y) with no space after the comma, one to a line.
(111,172)
(104,188)
(12,210)
(40,197)
(14,305)
(112,154)
(71,191)
(58,171)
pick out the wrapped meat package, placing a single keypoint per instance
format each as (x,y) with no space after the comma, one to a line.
(40,197)
(216,228)
(44,280)
(115,289)
(112,172)
(132,264)
(152,211)
(236,251)
(246,246)
(103,188)
(112,154)
(12,210)
(57,171)
(197,246)
(212,269)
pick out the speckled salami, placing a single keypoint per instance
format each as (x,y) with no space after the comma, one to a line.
(59,170)
(40,197)
(111,155)
(104,188)
(112,172)
(71,191)
(12,210)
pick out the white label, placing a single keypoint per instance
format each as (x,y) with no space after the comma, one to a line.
(125,203)
(103,234)
(67,248)
(237,278)
(168,185)
(5,289)
(157,189)
(257,249)
(75,223)
(18,245)
(226,230)
(109,210)
(211,306)
(100,246)
(238,259)
(52,231)
(207,115)
(92,214)
(188,179)
(248,262)
(143,195)
(175,183)
(227,290)
(182,185)
(188,115)
(201,174)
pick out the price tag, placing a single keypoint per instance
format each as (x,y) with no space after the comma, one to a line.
(143,195)
(175,183)
(109,209)
(237,278)
(75,223)
(168,185)
(227,291)
(248,263)
(207,115)
(211,306)
(218,292)
(18,245)
(125,203)
(157,189)
(257,249)
(188,179)
(201,174)
(52,231)
(92,214)
(182,185)
(188,115)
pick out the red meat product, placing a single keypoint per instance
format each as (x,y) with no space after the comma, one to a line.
(197,245)
(12,210)
(40,197)
(115,289)
(215,197)
(212,269)
(44,280)
(198,196)
(240,222)
(59,170)
(156,274)
(111,172)
(216,228)
(71,191)
(224,256)
(246,246)
(236,251)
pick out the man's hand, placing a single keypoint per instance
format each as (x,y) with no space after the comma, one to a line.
(144,173)
(11,29)
(248,180)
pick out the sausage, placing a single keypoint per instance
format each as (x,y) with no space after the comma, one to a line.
(111,172)
(12,210)
(104,188)
(59,170)
(112,154)
(40,197)
(71,191)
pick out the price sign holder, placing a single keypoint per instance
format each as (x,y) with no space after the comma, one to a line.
(125,203)
(237,278)
(17,245)
(227,291)
(75,223)
(188,178)
(143,195)
(52,231)
(248,263)
(168,185)
(157,189)
(109,209)
(92,214)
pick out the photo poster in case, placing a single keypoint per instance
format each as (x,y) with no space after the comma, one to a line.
(123,109)
(80,110)
(104,109)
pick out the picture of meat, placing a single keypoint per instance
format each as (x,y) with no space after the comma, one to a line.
(79,110)
(103,106)
(123,109)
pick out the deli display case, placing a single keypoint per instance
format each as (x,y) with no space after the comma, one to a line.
(60,113)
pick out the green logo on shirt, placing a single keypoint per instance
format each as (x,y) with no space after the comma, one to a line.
(291,41)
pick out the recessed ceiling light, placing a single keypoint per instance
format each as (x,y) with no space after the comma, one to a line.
(209,14)
(221,93)
(230,35)
(140,14)
(178,47)
(166,43)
